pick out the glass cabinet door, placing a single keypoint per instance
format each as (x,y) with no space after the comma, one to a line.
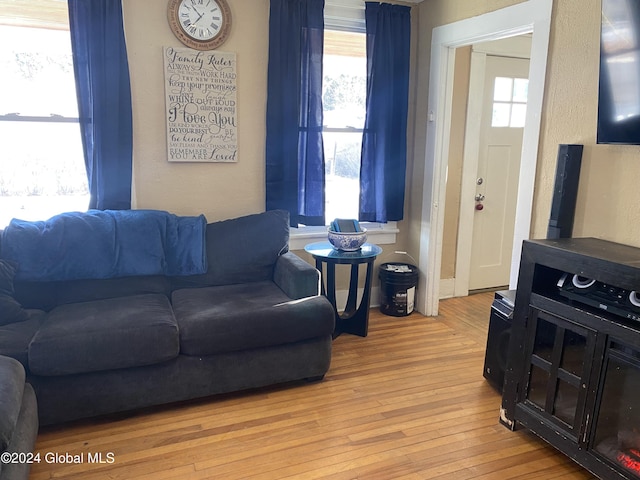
(617,431)
(559,354)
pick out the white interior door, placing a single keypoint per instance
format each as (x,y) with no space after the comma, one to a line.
(496,190)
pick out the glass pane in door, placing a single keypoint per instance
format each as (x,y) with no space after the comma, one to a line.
(538,384)
(566,401)
(574,346)
(545,338)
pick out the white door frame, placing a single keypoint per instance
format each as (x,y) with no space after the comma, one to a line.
(517,47)
(532,16)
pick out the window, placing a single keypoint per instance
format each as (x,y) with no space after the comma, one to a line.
(42,166)
(344,105)
(509,102)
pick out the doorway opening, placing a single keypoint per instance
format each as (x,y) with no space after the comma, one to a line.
(531,17)
(487,122)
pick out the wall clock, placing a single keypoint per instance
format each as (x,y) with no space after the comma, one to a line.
(200,24)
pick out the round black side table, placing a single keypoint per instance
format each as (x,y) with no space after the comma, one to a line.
(354,319)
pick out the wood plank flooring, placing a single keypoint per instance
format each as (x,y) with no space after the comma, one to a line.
(407,402)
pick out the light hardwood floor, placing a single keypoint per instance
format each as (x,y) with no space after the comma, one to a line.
(407,402)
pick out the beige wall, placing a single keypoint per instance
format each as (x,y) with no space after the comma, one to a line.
(608,195)
(219,190)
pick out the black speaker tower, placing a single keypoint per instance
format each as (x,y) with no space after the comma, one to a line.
(565,192)
(498,336)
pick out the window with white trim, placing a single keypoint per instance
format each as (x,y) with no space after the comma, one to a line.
(344,104)
(42,169)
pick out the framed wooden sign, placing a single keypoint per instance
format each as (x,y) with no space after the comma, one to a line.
(201,105)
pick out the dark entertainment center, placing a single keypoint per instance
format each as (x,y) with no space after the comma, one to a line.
(573,371)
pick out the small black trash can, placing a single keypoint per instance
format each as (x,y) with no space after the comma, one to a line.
(397,288)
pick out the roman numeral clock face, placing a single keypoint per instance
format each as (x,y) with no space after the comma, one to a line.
(200,24)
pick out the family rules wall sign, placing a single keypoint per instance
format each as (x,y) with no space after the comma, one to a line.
(201,105)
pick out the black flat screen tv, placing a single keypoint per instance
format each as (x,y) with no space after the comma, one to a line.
(619,88)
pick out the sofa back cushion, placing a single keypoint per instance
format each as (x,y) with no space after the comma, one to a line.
(101,244)
(11,310)
(48,295)
(242,250)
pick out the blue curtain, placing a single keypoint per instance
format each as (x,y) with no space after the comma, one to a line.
(104,99)
(294,150)
(384,140)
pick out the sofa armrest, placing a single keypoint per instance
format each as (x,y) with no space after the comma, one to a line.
(12,381)
(296,277)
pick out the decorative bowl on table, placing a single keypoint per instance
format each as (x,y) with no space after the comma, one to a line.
(347,241)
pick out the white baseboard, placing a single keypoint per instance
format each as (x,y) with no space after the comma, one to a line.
(447,287)
(446,291)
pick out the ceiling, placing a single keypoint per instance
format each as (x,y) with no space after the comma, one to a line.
(52,14)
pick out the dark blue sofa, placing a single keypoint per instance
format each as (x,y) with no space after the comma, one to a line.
(98,346)
(18,421)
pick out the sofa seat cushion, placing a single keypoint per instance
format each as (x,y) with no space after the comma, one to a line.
(105,335)
(252,315)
